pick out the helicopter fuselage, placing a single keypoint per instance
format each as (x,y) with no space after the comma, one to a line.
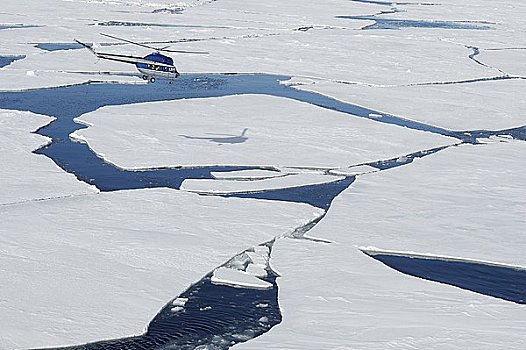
(166,68)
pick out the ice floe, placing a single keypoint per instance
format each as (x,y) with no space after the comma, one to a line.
(100,267)
(466,202)
(281,132)
(27,176)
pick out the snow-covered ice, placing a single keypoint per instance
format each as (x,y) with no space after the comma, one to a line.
(334,297)
(87,266)
(353,170)
(238,279)
(466,202)
(26,176)
(97,267)
(247,174)
(279,132)
(491,105)
(228,186)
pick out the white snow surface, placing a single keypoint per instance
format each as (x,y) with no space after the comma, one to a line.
(98,267)
(467,202)
(26,176)
(279,132)
(354,170)
(492,105)
(238,279)
(246,174)
(229,186)
(510,60)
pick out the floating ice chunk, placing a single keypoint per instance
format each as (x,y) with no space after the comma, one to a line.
(243,337)
(299,170)
(297,81)
(78,138)
(239,262)
(180,302)
(354,170)
(263,319)
(261,249)
(257,270)
(177,309)
(208,131)
(238,279)
(246,174)
(495,139)
(262,305)
(375,115)
(258,258)
(226,186)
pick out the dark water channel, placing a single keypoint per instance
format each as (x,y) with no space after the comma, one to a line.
(215,316)
(498,281)
(67,103)
(7,60)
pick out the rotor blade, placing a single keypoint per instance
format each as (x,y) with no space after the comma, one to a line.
(155,48)
(182,51)
(129,41)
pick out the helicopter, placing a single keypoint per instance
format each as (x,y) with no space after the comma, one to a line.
(152,66)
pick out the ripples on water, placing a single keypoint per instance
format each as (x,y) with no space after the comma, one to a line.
(214,316)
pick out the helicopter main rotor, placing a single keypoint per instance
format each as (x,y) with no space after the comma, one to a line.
(158,49)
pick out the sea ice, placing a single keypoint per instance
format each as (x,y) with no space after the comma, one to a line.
(466,201)
(88,268)
(490,105)
(228,186)
(27,176)
(281,133)
(238,279)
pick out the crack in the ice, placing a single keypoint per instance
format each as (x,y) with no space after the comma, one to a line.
(301,232)
(466,81)
(476,52)
(501,281)
(395,3)
(393,23)
(17,26)
(208,315)
(93,96)
(429,83)
(504,48)
(45,199)
(408,158)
